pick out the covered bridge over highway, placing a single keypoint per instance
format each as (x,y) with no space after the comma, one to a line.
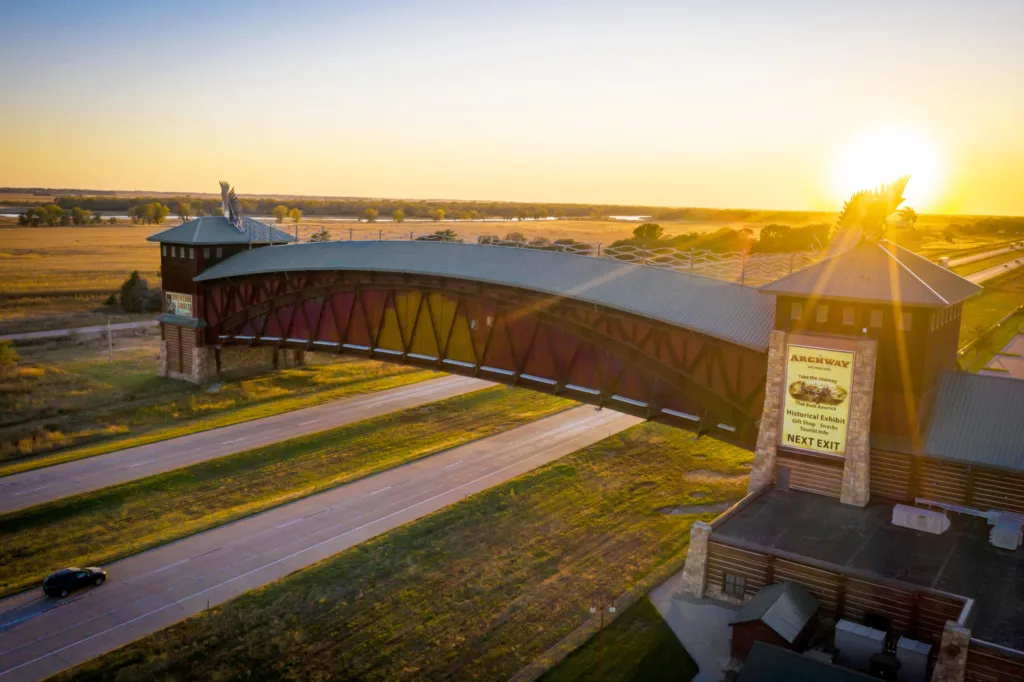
(660,344)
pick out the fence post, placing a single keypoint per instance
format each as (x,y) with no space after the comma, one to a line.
(599,249)
(380,235)
(410,235)
(691,259)
(743,269)
(791,257)
(644,261)
(350,234)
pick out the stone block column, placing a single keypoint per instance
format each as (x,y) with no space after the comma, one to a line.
(204,365)
(857,467)
(162,367)
(951,662)
(768,434)
(695,571)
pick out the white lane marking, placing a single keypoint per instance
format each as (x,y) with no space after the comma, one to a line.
(292,555)
(378,491)
(145,461)
(454,464)
(176,563)
(311,421)
(229,442)
(30,490)
(283,525)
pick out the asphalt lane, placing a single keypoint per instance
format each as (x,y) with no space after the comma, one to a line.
(995,271)
(149,591)
(92,473)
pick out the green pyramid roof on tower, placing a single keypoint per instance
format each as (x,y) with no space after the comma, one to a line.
(877,271)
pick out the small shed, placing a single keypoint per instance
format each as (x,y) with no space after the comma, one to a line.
(781,614)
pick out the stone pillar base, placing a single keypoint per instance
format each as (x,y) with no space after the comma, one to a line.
(857,467)
(162,366)
(694,575)
(768,434)
(951,662)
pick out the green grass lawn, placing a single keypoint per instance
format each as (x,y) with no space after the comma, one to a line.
(638,645)
(58,411)
(999,298)
(97,527)
(978,357)
(475,591)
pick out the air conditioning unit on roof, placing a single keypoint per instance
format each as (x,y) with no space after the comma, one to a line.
(926,520)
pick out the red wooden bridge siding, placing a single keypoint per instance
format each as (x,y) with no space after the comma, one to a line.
(557,345)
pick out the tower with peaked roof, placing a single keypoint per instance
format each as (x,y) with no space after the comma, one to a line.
(185,251)
(908,305)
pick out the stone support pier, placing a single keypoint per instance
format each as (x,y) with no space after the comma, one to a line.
(951,662)
(695,570)
(857,468)
(768,435)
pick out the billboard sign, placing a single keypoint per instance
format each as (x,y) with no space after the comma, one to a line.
(816,404)
(178,304)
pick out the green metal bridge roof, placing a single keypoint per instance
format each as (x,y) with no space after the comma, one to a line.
(724,310)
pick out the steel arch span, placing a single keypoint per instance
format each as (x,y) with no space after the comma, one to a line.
(555,344)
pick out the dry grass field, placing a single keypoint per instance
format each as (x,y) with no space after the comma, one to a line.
(97,527)
(473,592)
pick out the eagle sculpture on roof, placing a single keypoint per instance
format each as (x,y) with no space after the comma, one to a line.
(232,206)
(865,215)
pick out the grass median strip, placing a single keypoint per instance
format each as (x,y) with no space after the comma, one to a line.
(117,422)
(475,591)
(97,527)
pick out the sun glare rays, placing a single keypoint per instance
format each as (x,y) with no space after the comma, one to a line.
(880,156)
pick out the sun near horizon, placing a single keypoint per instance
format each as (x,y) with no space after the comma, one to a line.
(736,105)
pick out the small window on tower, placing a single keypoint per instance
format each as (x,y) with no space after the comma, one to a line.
(876,318)
(174,252)
(822,313)
(849,315)
(906,320)
(206,252)
(163,249)
(734,585)
(191,253)
(220,252)
(796,312)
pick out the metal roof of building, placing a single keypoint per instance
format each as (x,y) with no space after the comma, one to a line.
(767,663)
(784,607)
(218,230)
(978,419)
(721,309)
(876,272)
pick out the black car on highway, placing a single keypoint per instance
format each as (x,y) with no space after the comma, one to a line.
(67,580)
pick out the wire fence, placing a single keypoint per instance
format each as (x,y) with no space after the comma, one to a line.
(744,268)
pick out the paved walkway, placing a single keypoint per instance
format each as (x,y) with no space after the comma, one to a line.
(149,591)
(94,330)
(701,625)
(92,473)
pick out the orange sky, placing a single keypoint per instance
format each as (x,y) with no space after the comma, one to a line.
(674,104)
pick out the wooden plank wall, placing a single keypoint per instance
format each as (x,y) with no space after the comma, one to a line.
(188,343)
(750,565)
(893,478)
(921,614)
(172,335)
(990,664)
(815,475)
